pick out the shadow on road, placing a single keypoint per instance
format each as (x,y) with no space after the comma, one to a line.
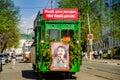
(31,75)
(56,76)
(24,61)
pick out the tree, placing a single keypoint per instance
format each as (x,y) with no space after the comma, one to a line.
(84,7)
(9,19)
(115,15)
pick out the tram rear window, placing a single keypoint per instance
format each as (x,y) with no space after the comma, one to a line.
(67,33)
(53,34)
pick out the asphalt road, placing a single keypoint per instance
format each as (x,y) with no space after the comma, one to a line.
(89,71)
(22,71)
(98,71)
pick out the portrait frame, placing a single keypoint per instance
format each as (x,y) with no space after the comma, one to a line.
(54,65)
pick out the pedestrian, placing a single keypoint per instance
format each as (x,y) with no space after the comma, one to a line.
(95,54)
(100,54)
(109,52)
(91,54)
(13,56)
(86,55)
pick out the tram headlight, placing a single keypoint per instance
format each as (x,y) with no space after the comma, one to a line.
(77,41)
(42,41)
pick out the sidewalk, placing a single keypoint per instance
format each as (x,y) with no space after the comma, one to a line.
(108,61)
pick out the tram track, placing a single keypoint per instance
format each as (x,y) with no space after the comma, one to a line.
(101,73)
(103,70)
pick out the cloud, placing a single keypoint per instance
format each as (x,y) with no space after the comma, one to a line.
(26,23)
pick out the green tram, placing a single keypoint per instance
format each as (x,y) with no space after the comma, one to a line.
(56,46)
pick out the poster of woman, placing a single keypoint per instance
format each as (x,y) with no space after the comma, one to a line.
(60,56)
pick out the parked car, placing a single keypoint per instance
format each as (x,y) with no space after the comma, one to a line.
(3,58)
(7,57)
(19,57)
(0,64)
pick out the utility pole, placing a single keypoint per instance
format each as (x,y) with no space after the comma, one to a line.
(90,41)
(51,3)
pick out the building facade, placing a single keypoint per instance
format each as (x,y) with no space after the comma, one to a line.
(109,40)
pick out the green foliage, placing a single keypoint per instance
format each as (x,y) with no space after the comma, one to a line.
(105,56)
(115,21)
(8,15)
(9,19)
(74,50)
(114,54)
(13,39)
(46,53)
(116,14)
(84,7)
(117,54)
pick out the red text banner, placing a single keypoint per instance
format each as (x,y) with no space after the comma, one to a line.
(60,14)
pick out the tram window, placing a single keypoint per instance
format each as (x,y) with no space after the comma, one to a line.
(53,34)
(67,33)
(42,35)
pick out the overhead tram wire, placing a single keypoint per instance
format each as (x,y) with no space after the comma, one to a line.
(30,7)
(51,3)
(47,3)
(36,7)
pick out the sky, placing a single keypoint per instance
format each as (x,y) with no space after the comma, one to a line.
(29,10)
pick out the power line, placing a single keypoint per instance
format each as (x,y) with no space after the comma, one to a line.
(30,7)
(47,4)
(51,3)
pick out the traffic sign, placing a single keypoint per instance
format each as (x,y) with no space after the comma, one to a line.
(90,36)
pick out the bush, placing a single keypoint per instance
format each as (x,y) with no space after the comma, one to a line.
(117,54)
(105,56)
